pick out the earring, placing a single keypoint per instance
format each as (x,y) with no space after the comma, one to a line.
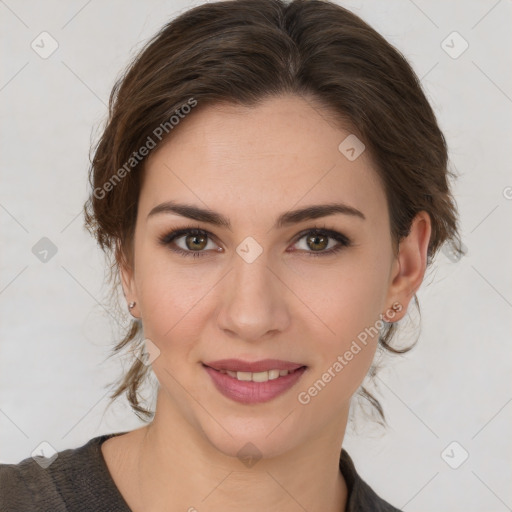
(131,305)
(390,314)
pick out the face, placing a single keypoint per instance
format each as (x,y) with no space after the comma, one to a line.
(253,288)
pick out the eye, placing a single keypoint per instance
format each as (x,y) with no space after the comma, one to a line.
(195,241)
(319,239)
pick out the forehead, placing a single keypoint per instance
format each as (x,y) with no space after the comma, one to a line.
(282,153)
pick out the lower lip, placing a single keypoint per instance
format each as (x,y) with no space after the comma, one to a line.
(248,392)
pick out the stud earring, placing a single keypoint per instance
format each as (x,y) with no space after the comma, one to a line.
(131,305)
(390,313)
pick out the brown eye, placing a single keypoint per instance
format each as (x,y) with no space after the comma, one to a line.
(317,242)
(188,242)
(196,242)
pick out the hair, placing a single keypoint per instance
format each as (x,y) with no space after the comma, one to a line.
(242,52)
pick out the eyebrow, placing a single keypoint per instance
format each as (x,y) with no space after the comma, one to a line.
(285,219)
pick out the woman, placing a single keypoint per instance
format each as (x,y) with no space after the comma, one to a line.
(271,185)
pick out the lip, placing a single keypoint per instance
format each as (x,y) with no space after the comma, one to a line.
(238,365)
(248,392)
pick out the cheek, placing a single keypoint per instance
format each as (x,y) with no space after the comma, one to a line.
(347,302)
(345,347)
(168,296)
(342,299)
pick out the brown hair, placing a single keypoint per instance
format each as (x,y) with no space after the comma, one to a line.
(243,51)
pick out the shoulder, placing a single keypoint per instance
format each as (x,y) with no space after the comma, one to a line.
(29,485)
(61,483)
(21,486)
(362,497)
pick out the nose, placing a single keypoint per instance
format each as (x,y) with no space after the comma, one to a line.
(253,301)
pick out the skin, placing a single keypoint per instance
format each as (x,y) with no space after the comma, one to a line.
(251,165)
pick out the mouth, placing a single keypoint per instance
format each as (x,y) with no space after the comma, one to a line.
(255,387)
(261,376)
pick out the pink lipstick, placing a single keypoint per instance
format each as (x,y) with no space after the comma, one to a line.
(253,382)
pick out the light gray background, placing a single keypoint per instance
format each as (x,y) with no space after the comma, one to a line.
(55,333)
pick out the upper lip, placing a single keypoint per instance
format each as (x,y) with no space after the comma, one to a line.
(237,365)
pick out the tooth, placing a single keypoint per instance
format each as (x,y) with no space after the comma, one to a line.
(256,376)
(273,374)
(260,377)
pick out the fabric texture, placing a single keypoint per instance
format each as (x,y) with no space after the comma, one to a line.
(78,480)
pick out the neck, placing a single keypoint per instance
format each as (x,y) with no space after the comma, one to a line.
(178,469)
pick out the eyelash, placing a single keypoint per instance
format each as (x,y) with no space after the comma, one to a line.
(167,239)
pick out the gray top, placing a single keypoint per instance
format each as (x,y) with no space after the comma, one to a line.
(78,480)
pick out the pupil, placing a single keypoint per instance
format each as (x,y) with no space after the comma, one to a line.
(195,241)
(315,239)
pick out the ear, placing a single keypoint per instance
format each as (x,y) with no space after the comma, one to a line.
(125,265)
(410,265)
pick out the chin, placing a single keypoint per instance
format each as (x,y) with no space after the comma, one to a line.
(262,440)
